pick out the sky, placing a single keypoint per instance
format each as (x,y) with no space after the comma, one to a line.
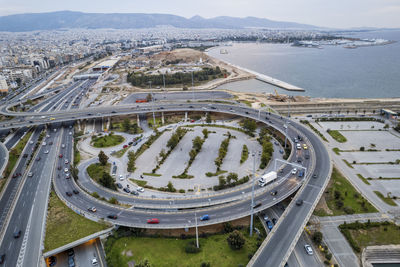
(324,13)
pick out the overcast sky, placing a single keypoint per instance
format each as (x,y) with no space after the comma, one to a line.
(328,13)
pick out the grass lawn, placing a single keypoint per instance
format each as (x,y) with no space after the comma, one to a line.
(107,140)
(363,179)
(96,170)
(336,150)
(337,136)
(139,182)
(64,225)
(376,236)
(342,198)
(15,153)
(134,129)
(121,152)
(387,200)
(152,174)
(171,251)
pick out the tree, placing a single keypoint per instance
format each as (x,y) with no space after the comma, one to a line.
(131,161)
(249,125)
(222,180)
(103,158)
(126,125)
(197,143)
(107,181)
(135,128)
(317,237)
(208,118)
(205,133)
(143,263)
(236,240)
(231,176)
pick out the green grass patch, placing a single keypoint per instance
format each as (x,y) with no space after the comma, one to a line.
(152,174)
(139,182)
(363,179)
(337,136)
(314,129)
(107,140)
(167,251)
(361,235)
(348,164)
(342,198)
(15,153)
(221,126)
(96,170)
(183,176)
(121,152)
(63,225)
(211,174)
(387,200)
(336,150)
(245,154)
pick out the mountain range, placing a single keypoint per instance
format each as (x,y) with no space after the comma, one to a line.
(73,20)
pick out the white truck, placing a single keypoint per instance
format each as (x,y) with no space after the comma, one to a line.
(267,178)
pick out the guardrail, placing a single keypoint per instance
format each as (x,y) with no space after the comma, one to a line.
(4,161)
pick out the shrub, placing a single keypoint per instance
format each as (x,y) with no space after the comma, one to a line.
(317,237)
(227,227)
(236,240)
(191,247)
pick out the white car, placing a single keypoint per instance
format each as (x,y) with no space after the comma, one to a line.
(70,133)
(44,143)
(308,249)
(66,161)
(47,136)
(140,189)
(294,171)
(121,177)
(66,170)
(46,152)
(30,174)
(94,261)
(62,146)
(31,142)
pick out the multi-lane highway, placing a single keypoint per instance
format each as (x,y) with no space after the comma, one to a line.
(278,245)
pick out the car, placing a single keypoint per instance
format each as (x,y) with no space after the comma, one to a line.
(75,191)
(119,185)
(68,193)
(205,217)
(15,175)
(67,176)
(135,193)
(301,173)
(269,224)
(113,111)
(59,168)
(309,116)
(305,147)
(38,158)
(130,143)
(190,106)
(299,160)
(2,258)
(112,216)
(66,161)
(50,143)
(65,169)
(47,136)
(44,143)
(52,260)
(256,205)
(153,221)
(127,190)
(94,261)
(30,174)
(60,156)
(274,221)
(281,151)
(25,155)
(17,234)
(308,249)
(300,138)
(295,140)
(299,202)
(62,145)
(46,152)
(140,189)
(315,175)
(307,156)
(274,192)
(92,209)
(125,146)
(31,142)
(71,252)
(121,177)
(294,171)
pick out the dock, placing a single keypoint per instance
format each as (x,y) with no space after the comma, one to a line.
(270,80)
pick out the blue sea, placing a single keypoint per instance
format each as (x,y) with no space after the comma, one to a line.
(334,71)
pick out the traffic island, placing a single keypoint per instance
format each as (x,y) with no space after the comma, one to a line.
(64,226)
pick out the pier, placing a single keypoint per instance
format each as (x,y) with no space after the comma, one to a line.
(270,80)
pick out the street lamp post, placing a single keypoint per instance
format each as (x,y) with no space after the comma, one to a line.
(252,194)
(197,230)
(192,87)
(152,100)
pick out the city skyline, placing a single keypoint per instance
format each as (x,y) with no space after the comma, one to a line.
(340,14)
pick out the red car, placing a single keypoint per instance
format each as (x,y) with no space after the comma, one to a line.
(125,146)
(60,156)
(153,221)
